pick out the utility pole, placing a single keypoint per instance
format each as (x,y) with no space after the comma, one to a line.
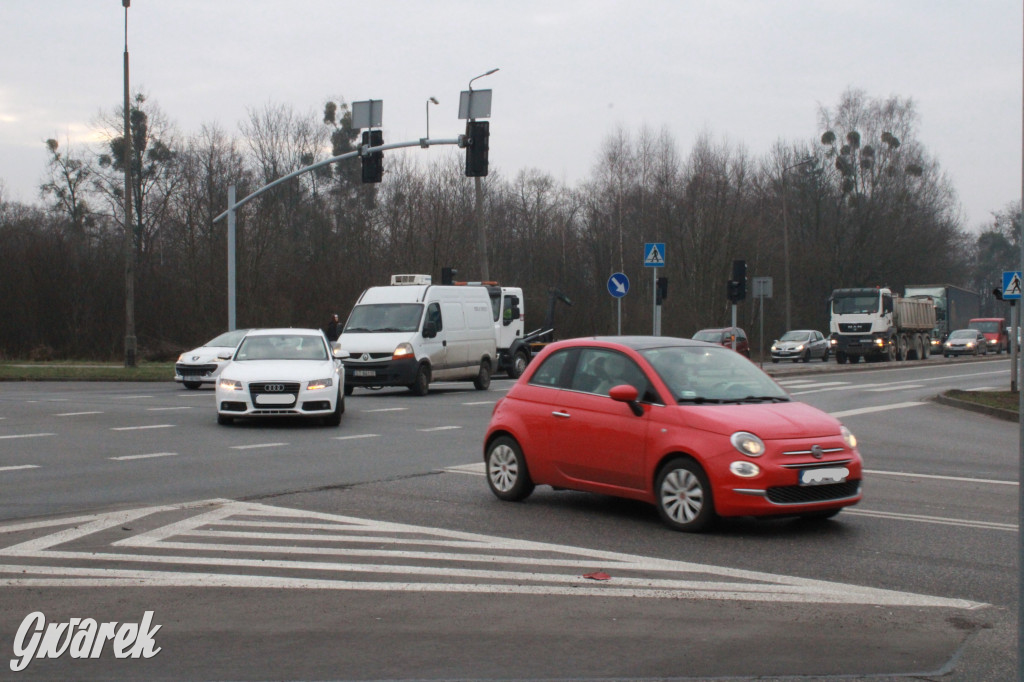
(129,231)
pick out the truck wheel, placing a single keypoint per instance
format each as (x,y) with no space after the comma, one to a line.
(421,384)
(518,366)
(483,379)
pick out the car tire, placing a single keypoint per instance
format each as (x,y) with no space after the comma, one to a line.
(683,496)
(192,385)
(225,420)
(807,355)
(334,419)
(775,361)
(483,378)
(507,474)
(349,389)
(421,384)
(519,363)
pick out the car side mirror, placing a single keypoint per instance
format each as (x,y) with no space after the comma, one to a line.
(429,330)
(225,355)
(337,352)
(625,393)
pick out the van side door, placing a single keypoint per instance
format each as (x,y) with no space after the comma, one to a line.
(434,344)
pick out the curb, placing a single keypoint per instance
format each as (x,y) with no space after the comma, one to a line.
(998,413)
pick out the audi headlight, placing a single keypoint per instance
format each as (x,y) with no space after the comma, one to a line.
(747,443)
(404,350)
(318,384)
(230,385)
(848,437)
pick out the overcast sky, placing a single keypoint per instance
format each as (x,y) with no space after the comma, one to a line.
(749,73)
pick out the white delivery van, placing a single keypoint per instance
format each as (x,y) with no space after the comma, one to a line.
(413,332)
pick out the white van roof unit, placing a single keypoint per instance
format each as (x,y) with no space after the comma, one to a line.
(410,279)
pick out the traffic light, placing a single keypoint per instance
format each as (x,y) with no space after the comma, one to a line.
(448,275)
(998,293)
(738,283)
(733,291)
(661,293)
(373,163)
(477,144)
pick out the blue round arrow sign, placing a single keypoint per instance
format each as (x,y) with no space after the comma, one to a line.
(618,285)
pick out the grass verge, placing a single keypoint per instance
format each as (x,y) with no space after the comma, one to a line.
(1001,400)
(85,371)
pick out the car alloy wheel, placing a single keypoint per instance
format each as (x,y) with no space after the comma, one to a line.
(684,496)
(507,474)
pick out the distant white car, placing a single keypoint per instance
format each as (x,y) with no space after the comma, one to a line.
(201,365)
(282,373)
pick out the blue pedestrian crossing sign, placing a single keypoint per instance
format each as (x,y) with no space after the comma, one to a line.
(1011,285)
(654,255)
(618,285)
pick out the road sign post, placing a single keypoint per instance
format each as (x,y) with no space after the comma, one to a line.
(618,286)
(762,290)
(654,257)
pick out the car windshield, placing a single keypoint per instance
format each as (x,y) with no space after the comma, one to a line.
(698,374)
(964,334)
(987,326)
(384,317)
(795,336)
(282,347)
(710,336)
(228,339)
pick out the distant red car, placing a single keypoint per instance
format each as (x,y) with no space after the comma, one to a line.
(690,427)
(723,336)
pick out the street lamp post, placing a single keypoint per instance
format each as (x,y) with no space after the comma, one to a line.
(785,238)
(431,100)
(129,236)
(479,200)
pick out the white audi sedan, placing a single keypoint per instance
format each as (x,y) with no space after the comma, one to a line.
(283,373)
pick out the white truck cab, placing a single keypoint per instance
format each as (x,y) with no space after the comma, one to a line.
(413,332)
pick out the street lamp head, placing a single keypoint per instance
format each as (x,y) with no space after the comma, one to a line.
(434,100)
(488,73)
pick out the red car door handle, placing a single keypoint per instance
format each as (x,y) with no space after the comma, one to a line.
(564,415)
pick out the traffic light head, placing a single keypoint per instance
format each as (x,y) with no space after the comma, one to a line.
(478,135)
(373,163)
(662,290)
(738,283)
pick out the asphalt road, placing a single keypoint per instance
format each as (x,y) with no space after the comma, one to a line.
(374,550)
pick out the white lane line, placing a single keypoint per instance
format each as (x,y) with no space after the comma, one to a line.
(460,562)
(167,409)
(959,479)
(142,428)
(938,520)
(894,387)
(439,428)
(75,414)
(388,409)
(482,402)
(129,397)
(475,469)
(154,454)
(877,408)
(257,445)
(27,435)
(19,467)
(357,437)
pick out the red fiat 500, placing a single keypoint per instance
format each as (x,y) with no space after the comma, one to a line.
(690,427)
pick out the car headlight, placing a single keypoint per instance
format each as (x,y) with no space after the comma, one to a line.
(230,385)
(800,347)
(318,384)
(970,344)
(747,443)
(404,350)
(744,469)
(775,348)
(848,437)
(181,358)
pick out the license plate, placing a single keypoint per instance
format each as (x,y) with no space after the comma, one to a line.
(363,373)
(275,399)
(823,476)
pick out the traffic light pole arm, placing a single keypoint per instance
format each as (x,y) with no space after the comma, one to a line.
(348,155)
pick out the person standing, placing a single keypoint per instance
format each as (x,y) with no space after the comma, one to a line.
(334,328)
